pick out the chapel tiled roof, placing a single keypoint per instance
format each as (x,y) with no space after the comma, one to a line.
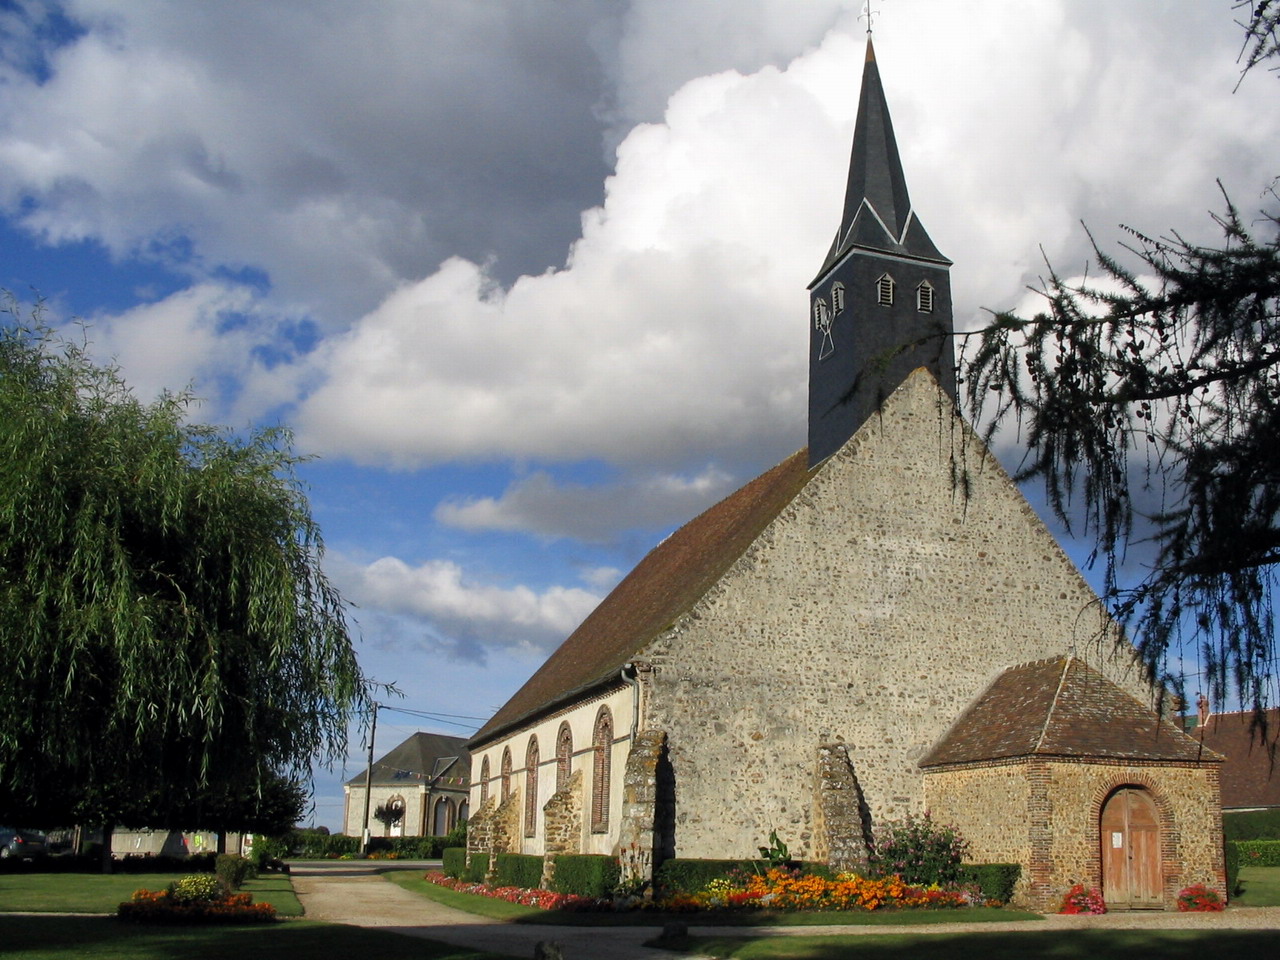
(1061,708)
(1251,772)
(421,758)
(665,584)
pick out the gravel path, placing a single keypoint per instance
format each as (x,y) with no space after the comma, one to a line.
(355,893)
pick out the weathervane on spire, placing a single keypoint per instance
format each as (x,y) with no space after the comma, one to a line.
(867,14)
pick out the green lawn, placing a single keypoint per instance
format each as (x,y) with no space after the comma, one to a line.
(99,893)
(1261,887)
(105,938)
(1079,945)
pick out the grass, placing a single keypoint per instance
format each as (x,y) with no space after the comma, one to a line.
(413,881)
(1080,945)
(105,938)
(99,893)
(1261,887)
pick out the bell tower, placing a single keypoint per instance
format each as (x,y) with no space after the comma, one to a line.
(881,304)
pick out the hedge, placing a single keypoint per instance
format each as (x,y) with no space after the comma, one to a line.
(414,848)
(479,867)
(518,870)
(1257,853)
(318,846)
(455,861)
(1251,825)
(585,874)
(995,880)
(1231,863)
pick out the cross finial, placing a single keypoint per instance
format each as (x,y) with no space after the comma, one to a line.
(867,14)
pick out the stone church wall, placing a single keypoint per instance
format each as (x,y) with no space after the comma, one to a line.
(870,612)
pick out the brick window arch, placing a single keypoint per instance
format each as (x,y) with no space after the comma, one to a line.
(484,780)
(506,773)
(564,756)
(531,788)
(602,748)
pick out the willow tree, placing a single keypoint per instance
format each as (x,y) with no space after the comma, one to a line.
(166,628)
(1149,401)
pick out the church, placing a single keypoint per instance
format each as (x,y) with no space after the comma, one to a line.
(879,626)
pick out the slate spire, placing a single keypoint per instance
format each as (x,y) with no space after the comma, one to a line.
(877,207)
(881,304)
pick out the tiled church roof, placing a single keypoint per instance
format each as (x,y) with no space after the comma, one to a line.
(1060,708)
(1251,773)
(664,585)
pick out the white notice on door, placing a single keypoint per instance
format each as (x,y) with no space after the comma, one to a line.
(1117,839)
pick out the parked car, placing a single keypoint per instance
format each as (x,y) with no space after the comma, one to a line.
(23,844)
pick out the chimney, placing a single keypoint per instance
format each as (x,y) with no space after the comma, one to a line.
(1202,706)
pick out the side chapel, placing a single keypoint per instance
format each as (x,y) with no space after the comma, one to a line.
(851,638)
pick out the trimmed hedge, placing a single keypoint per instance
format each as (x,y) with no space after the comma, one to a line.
(479,867)
(518,870)
(1231,863)
(1251,825)
(319,846)
(995,880)
(414,848)
(681,875)
(585,874)
(455,861)
(1257,853)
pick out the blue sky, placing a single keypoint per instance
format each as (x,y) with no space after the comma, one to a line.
(529,278)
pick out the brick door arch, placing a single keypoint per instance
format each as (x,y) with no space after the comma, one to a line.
(1129,828)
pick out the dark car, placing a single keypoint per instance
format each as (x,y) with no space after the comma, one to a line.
(23,844)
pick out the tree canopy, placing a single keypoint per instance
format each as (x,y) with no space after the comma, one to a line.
(1149,400)
(170,641)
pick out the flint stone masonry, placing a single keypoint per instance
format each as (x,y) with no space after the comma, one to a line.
(641,837)
(495,829)
(562,825)
(842,822)
(1060,842)
(870,612)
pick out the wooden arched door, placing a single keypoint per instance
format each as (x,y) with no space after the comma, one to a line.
(1130,829)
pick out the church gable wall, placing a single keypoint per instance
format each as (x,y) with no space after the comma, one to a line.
(870,612)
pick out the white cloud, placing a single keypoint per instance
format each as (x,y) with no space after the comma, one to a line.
(537,504)
(455,611)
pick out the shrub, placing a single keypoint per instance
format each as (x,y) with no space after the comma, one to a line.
(146,906)
(1251,825)
(692,876)
(1257,853)
(585,874)
(457,837)
(232,871)
(321,846)
(1231,864)
(455,861)
(478,868)
(1198,898)
(995,880)
(918,850)
(518,870)
(270,848)
(199,886)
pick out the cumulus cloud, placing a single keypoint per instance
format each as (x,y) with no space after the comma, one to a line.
(539,505)
(458,613)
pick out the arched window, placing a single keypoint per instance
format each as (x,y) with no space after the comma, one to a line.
(924,297)
(884,290)
(484,780)
(564,756)
(506,773)
(531,788)
(464,811)
(440,822)
(602,748)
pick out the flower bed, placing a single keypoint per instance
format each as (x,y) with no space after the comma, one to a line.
(776,889)
(1198,898)
(197,899)
(1081,899)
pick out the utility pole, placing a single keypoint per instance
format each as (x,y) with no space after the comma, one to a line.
(368,782)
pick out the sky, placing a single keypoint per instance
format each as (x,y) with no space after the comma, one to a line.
(527,277)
